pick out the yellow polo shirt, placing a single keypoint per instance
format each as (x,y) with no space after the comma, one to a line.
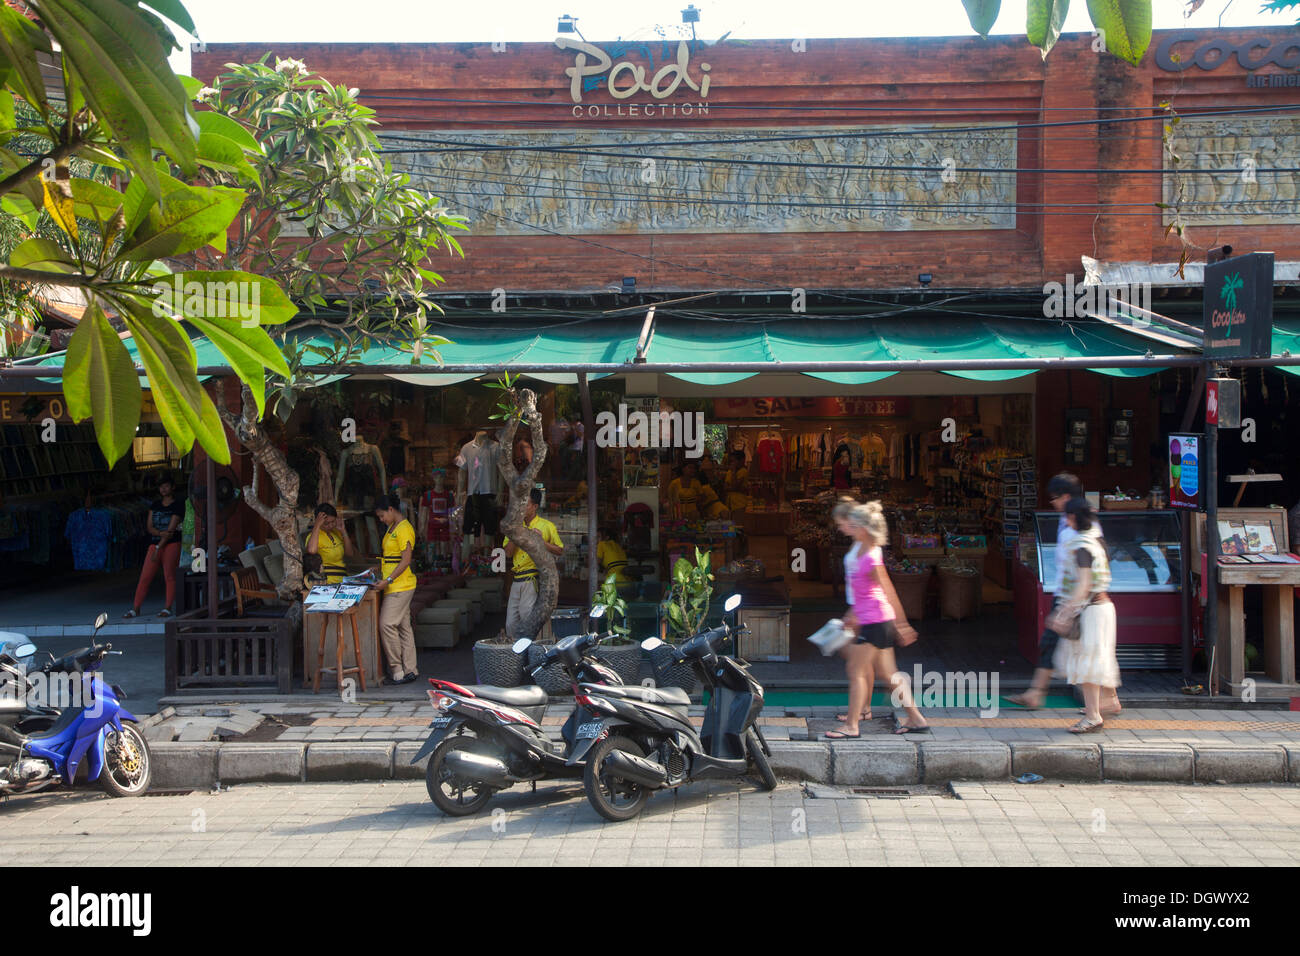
(523,566)
(398,538)
(329,545)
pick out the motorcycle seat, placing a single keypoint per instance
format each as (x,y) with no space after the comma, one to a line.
(531,696)
(670,696)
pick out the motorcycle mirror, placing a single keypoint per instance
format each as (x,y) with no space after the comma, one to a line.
(597,610)
(24,650)
(650,643)
(733,602)
(101,620)
(522,645)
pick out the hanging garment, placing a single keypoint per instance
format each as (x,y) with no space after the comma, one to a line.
(360,480)
(90,532)
(439,504)
(770,455)
(324,480)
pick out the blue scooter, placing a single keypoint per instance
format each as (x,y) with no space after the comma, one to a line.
(97,730)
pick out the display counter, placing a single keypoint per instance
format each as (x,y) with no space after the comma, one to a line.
(1146,570)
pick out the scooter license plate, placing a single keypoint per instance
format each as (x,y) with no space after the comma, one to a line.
(440,722)
(590,731)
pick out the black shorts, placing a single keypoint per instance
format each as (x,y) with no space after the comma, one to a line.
(882,634)
(1047,641)
(481,515)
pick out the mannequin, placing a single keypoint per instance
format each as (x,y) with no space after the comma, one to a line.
(478,486)
(359,466)
(435,507)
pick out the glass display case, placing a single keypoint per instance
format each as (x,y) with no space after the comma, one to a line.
(1144,549)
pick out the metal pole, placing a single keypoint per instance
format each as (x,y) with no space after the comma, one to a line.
(1211,456)
(1185,519)
(589,443)
(211,522)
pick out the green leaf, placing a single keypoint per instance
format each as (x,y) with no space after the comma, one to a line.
(982,14)
(120,62)
(217,152)
(20,39)
(1044,21)
(99,383)
(184,406)
(44,255)
(228,293)
(185,218)
(15,205)
(213,122)
(59,204)
(95,200)
(1125,25)
(190,85)
(6,110)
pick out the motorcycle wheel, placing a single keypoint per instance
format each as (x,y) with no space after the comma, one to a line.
(450,793)
(127,766)
(765,774)
(612,797)
(767,751)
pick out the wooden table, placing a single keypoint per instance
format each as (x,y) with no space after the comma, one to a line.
(372,655)
(1277,648)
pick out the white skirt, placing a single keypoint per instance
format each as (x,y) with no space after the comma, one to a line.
(1091,659)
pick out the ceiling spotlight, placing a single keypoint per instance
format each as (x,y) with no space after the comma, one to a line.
(925,278)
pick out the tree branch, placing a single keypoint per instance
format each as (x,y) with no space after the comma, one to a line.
(33,169)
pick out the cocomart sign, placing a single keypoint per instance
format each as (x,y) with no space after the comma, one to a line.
(1213,54)
(673,74)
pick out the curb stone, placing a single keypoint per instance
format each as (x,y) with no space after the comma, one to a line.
(802,759)
(261,763)
(1063,761)
(359,761)
(944,761)
(1292,751)
(178,766)
(1147,762)
(1241,764)
(875,762)
(402,767)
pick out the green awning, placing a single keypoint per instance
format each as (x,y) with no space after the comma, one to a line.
(1286,338)
(679,341)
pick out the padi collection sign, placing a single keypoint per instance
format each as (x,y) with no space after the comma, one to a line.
(1238,307)
(660,77)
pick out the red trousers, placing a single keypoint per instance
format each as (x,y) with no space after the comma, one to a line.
(170,558)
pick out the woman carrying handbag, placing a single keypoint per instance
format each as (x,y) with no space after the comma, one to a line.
(1085,619)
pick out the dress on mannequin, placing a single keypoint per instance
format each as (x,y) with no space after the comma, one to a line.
(361,477)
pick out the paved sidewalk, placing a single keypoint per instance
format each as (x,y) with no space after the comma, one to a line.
(329,720)
(394,823)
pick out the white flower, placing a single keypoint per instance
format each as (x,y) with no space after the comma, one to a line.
(290,66)
(208,94)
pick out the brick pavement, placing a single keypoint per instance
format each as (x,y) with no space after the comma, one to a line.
(392,823)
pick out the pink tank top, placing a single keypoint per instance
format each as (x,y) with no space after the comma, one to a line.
(869,601)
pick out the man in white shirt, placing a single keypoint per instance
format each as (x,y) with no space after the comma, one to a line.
(1060,490)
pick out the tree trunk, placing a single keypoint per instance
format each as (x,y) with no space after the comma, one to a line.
(283,517)
(519,485)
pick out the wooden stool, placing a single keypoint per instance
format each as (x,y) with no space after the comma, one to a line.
(339,670)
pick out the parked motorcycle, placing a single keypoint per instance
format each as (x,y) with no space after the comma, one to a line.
(635,746)
(99,730)
(489,738)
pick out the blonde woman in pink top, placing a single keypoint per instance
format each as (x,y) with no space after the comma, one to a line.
(878,619)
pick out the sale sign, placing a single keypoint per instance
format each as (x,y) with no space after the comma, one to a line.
(1185,471)
(1211,402)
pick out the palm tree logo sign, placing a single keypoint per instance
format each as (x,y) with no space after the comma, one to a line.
(1229,295)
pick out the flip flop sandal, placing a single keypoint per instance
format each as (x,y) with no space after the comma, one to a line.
(1104,713)
(905,729)
(1083,727)
(840,735)
(131,613)
(1019,701)
(843,717)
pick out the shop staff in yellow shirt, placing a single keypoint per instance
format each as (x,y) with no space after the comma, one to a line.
(736,484)
(612,557)
(523,590)
(683,493)
(398,585)
(330,540)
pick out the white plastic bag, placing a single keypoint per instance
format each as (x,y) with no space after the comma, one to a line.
(832,636)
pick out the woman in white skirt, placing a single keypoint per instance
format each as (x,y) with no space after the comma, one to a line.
(1086,655)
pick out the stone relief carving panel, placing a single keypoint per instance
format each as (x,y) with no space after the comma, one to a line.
(1245,192)
(658,185)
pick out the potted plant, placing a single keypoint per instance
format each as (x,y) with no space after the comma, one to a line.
(496,663)
(684,610)
(623,654)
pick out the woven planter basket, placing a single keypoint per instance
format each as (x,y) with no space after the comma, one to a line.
(625,659)
(668,674)
(911,590)
(552,679)
(498,665)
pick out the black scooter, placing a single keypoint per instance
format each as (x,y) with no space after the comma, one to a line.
(489,738)
(637,746)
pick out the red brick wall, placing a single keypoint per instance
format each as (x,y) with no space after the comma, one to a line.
(984,80)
